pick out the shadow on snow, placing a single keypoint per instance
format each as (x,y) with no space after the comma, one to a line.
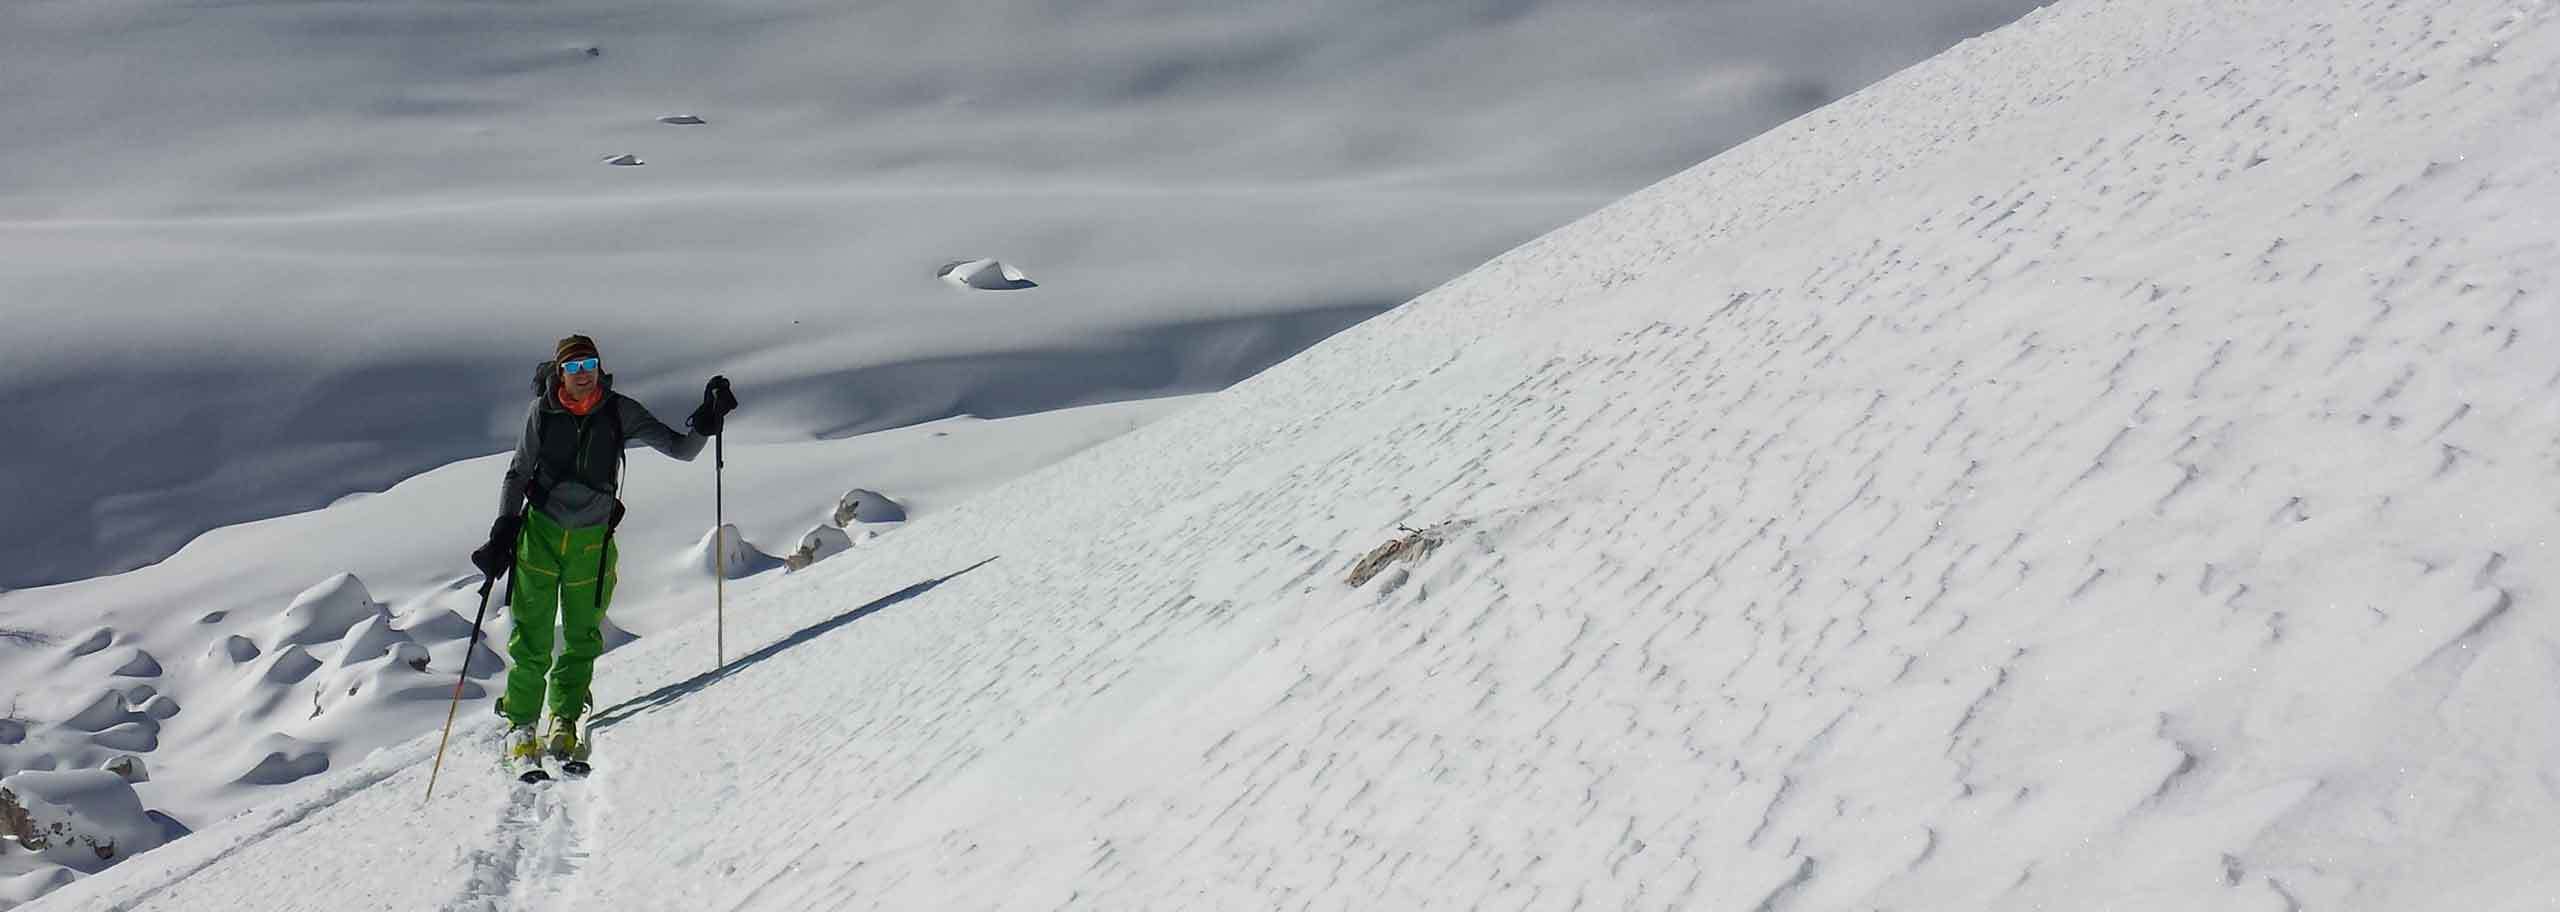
(676,691)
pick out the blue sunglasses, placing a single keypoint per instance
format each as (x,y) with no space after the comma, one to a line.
(581,365)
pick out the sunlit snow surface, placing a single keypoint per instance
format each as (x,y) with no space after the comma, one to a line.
(2110,465)
(258,254)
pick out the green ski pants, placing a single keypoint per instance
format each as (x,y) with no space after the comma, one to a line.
(563,580)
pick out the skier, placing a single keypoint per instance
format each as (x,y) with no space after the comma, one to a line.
(556,516)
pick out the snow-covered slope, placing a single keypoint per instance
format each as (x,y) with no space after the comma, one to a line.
(265,653)
(2109,465)
(259,254)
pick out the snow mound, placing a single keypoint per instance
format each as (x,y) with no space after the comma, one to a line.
(371,640)
(281,759)
(108,711)
(864,505)
(290,665)
(139,735)
(129,768)
(26,886)
(12,731)
(97,640)
(139,665)
(685,120)
(985,275)
(742,557)
(83,820)
(213,617)
(819,544)
(239,649)
(625,160)
(324,613)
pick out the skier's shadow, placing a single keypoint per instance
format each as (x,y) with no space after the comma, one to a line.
(677,691)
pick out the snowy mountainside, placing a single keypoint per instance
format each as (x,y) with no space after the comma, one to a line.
(262,253)
(265,654)
(2109,465)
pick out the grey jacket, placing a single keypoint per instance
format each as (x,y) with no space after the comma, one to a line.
(582,494)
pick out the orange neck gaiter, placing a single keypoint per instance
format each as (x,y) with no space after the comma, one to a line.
(578,406)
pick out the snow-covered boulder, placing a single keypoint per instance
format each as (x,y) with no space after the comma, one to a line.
(24,887)
(239,649)
(371,640)
(986,275)
(741,558)
(324,613)
(83,820)
(129,768)
(279,758)
(868,506)
(817,545)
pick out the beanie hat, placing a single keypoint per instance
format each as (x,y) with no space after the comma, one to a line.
(574,347)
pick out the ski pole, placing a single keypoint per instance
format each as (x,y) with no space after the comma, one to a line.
(485,584)
(719,556)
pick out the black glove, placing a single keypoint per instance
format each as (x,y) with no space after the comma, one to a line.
(500,553)
(717,403)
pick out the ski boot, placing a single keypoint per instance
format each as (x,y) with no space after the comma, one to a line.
(568,746)
(523,754)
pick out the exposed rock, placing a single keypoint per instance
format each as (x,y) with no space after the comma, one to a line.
(129,768)
(1414,546)
(84,820)
(819,544)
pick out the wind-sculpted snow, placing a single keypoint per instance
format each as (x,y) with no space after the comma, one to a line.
(352,674)
(2107,466)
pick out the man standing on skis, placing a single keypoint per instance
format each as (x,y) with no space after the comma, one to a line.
(556,516)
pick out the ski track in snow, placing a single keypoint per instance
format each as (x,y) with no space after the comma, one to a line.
(534,858)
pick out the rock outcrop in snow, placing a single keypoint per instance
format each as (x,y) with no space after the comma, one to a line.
(84,820)
(819,544)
